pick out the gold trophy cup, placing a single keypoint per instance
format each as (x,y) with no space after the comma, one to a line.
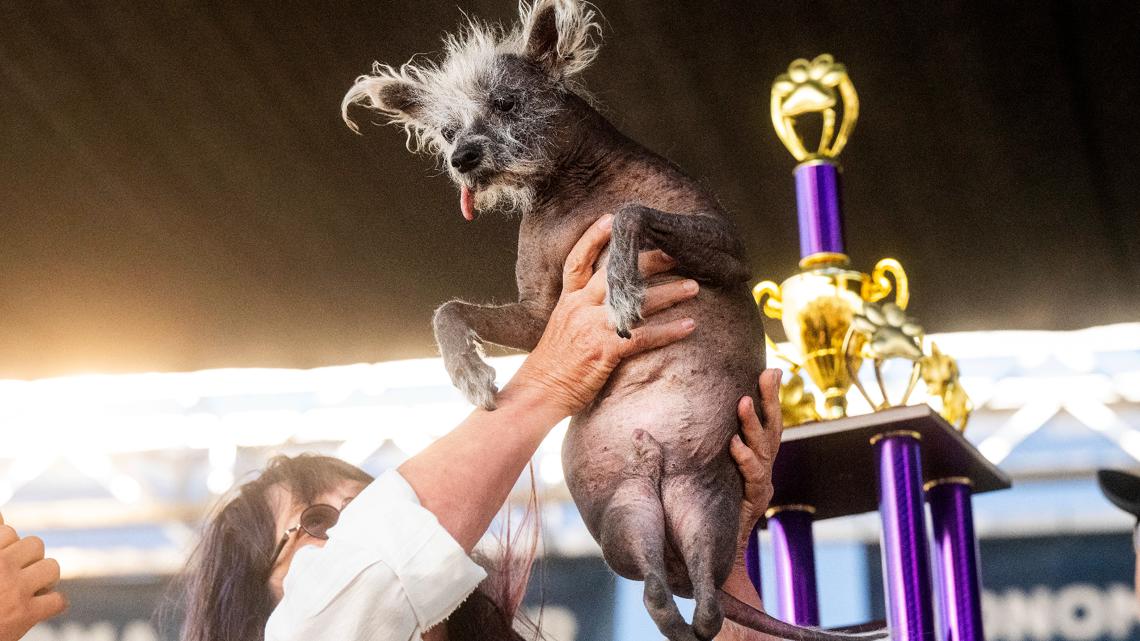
(834,316)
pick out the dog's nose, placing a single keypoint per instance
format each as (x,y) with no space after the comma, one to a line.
(466,157)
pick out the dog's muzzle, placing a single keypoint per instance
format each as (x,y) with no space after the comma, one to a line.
(467,157)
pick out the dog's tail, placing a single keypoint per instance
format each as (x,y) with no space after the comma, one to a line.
(750,617)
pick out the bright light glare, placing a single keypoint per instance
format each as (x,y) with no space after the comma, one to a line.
(354,410)
(550,469)
(125,488)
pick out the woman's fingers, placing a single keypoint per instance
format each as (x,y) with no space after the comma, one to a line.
(746,459)
(770,399)
(750,424)
(595,289)
(653,262)
(666,295)
(41,576)
(8,536)
(46,606)
(650,336)
(579,265)
(771,416)
(757,481)
(26,551)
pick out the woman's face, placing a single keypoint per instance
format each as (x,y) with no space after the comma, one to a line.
(287,513)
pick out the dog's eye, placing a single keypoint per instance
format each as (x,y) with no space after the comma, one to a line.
(505,104)
(448,134)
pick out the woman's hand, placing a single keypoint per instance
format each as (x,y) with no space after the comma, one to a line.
(27,584)
(579,348)
(755,453)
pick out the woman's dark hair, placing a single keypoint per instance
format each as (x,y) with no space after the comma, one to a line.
(226,594)
(224,590)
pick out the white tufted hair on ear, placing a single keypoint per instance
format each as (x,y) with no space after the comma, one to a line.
(399,94)
(560,35)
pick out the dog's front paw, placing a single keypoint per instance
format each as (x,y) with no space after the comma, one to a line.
(623,305)
(474,378)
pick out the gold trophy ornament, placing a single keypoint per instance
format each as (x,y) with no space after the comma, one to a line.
(834,316)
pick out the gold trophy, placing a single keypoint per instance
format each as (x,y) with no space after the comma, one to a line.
(837,317)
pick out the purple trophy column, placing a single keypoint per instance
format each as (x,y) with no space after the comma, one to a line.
(752,559)
(959,587)
(817,201)
(906,554)
(797,600)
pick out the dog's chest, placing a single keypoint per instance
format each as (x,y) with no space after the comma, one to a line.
(544,243)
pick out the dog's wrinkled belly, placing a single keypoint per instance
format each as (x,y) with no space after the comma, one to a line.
(685,396)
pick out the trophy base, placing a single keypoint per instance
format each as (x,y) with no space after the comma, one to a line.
(831,465)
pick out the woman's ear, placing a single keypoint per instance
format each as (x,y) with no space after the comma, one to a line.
(559,35)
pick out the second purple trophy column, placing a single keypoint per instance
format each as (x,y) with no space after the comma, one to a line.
(959,586)
(752,559)
(906,553)
(797,599)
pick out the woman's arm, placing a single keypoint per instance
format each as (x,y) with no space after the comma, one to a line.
(465,477)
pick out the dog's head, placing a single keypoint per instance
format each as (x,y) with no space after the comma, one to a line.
(489,110)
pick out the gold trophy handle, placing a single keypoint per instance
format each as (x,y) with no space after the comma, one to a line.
(773,306)
(880,286)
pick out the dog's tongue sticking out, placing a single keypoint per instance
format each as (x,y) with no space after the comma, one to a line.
(467,203)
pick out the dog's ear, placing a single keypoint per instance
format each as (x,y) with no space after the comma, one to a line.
(398,94)
(559,35)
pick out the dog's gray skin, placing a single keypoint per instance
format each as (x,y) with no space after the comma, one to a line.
(647,462)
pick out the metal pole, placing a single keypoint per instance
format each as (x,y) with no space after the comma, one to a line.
(906,555)
(752,559)
(797,598)
(959,586)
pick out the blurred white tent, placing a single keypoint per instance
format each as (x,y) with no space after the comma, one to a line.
(138,459)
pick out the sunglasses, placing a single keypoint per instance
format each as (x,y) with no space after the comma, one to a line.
(315,521)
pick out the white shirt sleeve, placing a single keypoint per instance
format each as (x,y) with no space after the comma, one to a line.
(388,572)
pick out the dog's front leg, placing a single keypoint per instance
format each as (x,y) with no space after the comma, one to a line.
(461,328)
(704,246)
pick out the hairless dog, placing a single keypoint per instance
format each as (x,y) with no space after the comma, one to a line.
(648,461)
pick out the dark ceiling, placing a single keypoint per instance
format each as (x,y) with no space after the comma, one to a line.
(178,191)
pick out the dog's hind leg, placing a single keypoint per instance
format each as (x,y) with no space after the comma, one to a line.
(633,535)
(704,523)
(705,247)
